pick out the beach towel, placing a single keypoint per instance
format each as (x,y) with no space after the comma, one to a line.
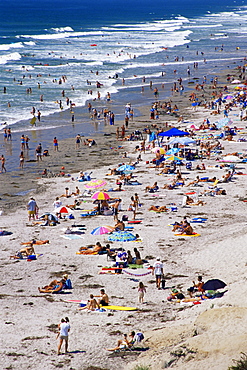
(194,234)
(72,236)
(134,274)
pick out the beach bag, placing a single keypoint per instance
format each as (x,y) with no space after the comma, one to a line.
(32,257)
(68,284)
(139,337)
(125,218)
(130,208)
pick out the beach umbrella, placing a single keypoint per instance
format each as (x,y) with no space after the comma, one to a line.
(193,127)
(158,149)
(186,140)
(236,82)
(63,209)
(102,230)
(173,132)
(100,195)
(121,236)
(125,167)
(224,122)
(172,151)
(214,284)
(95,184)
(50,215)
(231,158)
(227,97)
(174,158)
(240,87)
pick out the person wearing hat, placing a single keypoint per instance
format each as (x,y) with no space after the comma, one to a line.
(158,271)
(32,208)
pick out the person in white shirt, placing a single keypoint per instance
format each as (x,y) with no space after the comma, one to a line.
(158,271)
(57,203)
(64,328)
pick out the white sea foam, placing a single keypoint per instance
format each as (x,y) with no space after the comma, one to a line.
(8,57)
(15,45)
(63,29)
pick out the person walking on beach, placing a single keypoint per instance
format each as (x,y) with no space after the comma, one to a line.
(3,164)
(141,291)
(77,141)
(22,158)
(64,328)
(158,271)
(22,142)
(9,134)
(26,142)
(32,208)
(39,152)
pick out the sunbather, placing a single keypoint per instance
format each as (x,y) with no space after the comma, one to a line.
(152,188)
(24,252)
(119,226)
(54,286)
(124,343)
(188,230)
(196,286)
(158,208)
(89,250)
(37,242)
(92,304)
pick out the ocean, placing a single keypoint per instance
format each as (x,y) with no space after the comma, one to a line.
(53,50)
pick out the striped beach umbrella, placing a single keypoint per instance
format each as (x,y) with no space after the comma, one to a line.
(100,195)
(102,230)
(95,184)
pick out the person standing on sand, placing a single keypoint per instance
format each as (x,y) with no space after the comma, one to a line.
(55,143)
(22,158)
(158,271)
(3,164)
(77,141)
(141,291)
(32,208)
(64,328)
(39,152)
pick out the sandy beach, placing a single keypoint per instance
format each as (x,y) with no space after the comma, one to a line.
(177,334)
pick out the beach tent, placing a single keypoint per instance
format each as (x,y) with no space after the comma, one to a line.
(182,141)
(173,132)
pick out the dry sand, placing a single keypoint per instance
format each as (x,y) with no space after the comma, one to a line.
(205,336)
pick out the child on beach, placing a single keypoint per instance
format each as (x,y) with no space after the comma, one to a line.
(142,291)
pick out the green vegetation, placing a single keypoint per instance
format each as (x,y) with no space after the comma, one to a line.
(241,364)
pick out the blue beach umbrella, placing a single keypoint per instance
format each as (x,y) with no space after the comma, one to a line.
(172,151)
(125,167)
(214,284)
(121,236)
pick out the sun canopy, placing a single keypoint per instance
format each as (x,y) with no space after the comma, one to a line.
(173,132)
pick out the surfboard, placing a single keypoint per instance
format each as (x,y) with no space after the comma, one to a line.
(194,234)
(134,222)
